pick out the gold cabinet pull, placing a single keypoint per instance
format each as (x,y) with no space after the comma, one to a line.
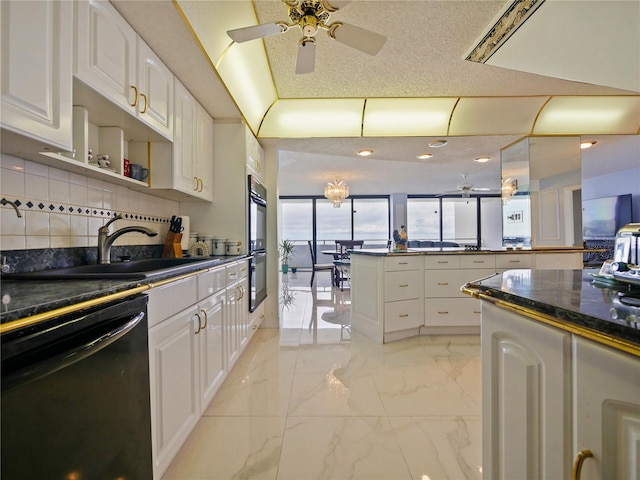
(195,183)
(443,283)
(144,109)
(403,315)
(196,316)
(443,312)
(206,319)
(201,185)
(135,99)
(577,464)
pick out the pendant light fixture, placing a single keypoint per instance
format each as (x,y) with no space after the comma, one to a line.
(336,192)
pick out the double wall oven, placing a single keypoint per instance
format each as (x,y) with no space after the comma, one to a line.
(257,242)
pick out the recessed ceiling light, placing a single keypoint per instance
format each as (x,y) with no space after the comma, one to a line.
(483,159)
(438,143)
(588,144)
(365,152)
(424,156)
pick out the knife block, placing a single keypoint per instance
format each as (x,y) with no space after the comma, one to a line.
(172,247)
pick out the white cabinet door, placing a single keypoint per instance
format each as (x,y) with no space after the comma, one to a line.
(212,355)
(526,413)
(403,315)
(37,46)
(204,153)
(106,53)
(607,411)
(113,60)
(243,313)
(185,106)
(173,370)
(155,86)
(231,326)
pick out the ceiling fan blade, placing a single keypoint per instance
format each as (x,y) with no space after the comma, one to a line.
(364,40)
(306,56)
(245,34)
(334,5)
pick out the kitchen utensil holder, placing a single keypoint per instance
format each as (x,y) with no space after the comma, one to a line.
(172,247)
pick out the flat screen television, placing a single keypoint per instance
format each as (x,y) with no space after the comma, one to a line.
(603,217)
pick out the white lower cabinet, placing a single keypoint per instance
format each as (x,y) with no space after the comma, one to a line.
(525,397)
(211,338)
(548,395)
(607,411)
(173,371)
(191,351)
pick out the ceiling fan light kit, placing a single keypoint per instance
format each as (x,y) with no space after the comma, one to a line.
(310,15)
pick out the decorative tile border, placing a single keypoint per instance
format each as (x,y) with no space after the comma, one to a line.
(508,23)
(26,205)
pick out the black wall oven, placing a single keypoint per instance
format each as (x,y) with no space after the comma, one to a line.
(75,396)
(257,242)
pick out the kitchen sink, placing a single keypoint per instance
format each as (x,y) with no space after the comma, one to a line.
(136,269)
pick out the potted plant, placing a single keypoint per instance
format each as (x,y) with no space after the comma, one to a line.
(286,252)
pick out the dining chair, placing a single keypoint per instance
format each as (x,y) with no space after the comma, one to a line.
(343,260)
(318,267)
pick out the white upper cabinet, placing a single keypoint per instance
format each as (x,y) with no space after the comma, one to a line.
(188,168)
(113,60)
(37,42)
(255,156)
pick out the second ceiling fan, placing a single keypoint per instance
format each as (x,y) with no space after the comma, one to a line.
(311,15)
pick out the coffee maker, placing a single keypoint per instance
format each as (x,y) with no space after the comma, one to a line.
(626,259)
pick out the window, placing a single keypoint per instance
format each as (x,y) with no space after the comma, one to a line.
(371,219)
(423,218)
(333,223)
(297,219)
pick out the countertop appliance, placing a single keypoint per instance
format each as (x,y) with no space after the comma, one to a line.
(626,258)
(257,218)
(75,396)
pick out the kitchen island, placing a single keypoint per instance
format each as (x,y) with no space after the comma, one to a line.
(560,369)
(396,295)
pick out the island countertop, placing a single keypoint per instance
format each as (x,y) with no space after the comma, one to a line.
(574,300)
(384,252)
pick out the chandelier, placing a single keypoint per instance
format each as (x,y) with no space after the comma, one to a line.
(509,188)
(336,192)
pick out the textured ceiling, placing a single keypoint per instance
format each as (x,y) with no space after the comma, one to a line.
(427,42)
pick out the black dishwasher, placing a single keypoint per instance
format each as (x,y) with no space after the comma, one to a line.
(75,396)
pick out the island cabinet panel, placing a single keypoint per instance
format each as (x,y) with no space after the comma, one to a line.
(526,397)
(402,315)
(447,312)
(441,262)
(403,285)
(508,261)
(607,411)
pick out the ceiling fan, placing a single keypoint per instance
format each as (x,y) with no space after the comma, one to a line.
(311,15)
(465,189)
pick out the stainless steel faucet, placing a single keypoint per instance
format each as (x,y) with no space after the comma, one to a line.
(4,201)
(105,240)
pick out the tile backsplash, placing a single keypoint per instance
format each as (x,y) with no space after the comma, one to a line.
(62,209)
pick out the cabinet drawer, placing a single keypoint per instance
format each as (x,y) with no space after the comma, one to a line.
(169,299)
(514,260)
(452,312)
(444,283)
(233,273)
(243,269)
(441,262)
(211,282)
(477,261)
(399,263)
(403,285)
(402,315)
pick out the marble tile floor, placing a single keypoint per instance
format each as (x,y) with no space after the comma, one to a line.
(313,400)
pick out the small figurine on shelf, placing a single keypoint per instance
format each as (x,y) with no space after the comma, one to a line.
(400,238)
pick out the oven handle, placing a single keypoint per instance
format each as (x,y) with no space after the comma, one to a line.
(258,200)
(69,356)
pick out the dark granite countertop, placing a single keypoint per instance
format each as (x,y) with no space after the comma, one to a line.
(574,297)
(383,252)
(24,298)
